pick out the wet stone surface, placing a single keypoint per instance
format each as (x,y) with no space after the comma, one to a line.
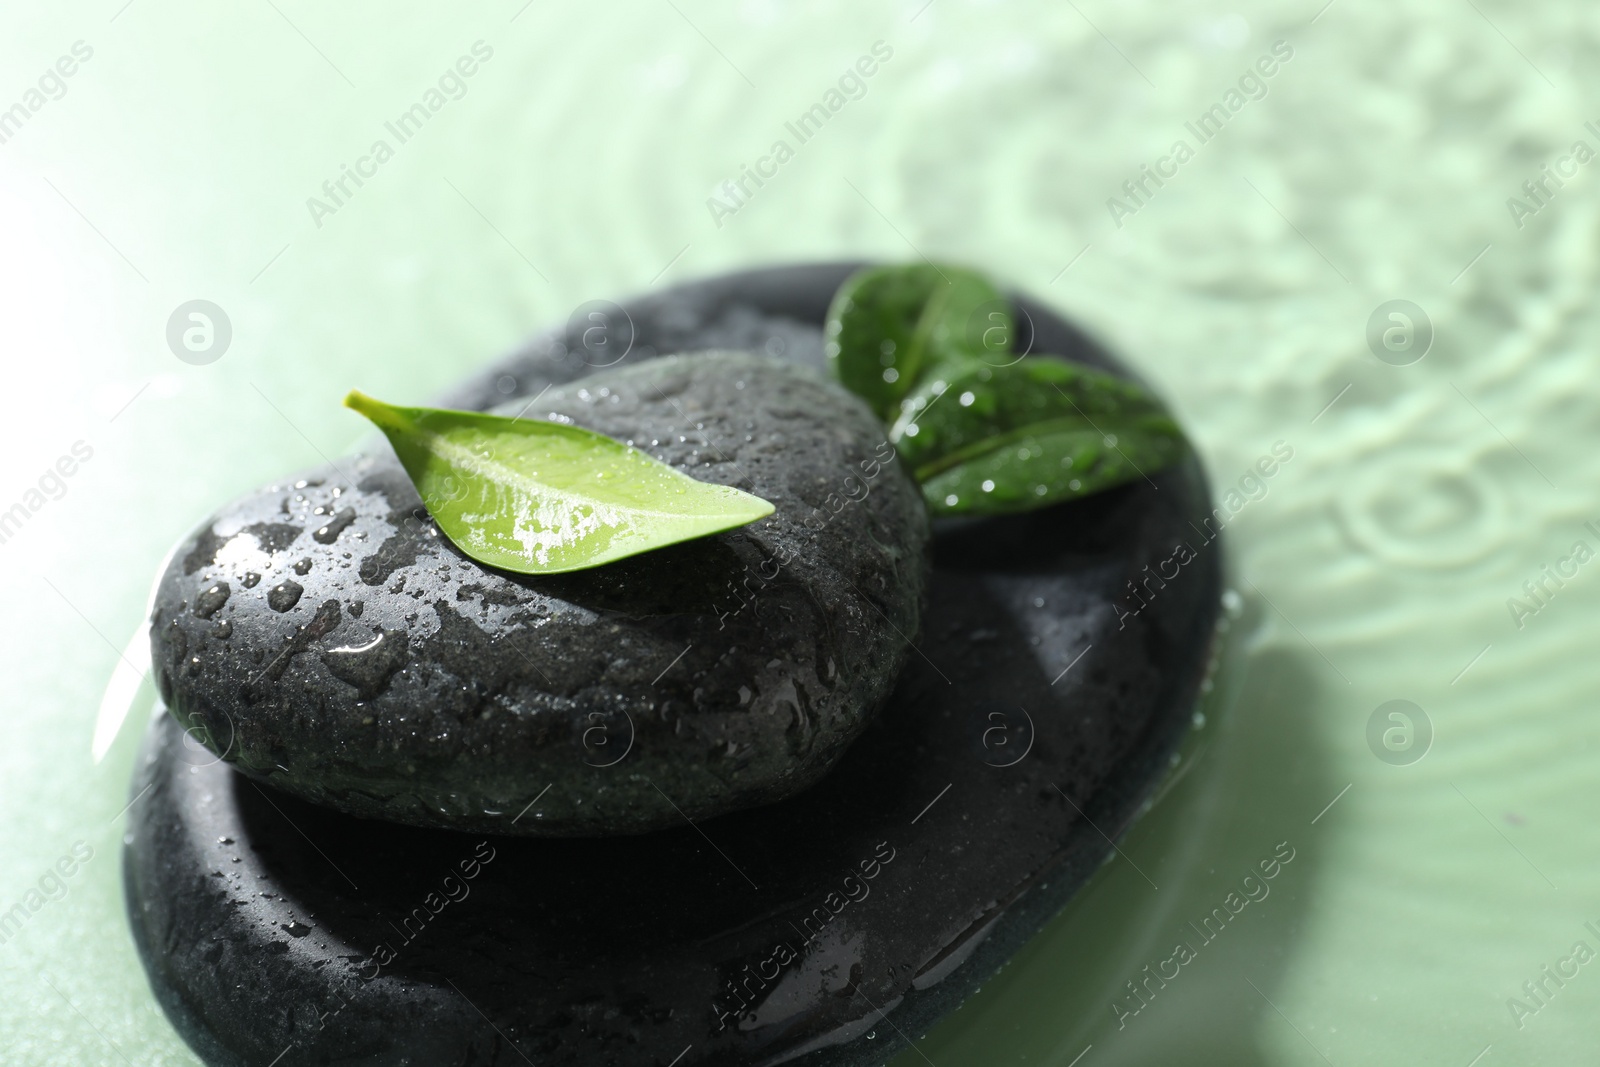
(821,930)
(377,670)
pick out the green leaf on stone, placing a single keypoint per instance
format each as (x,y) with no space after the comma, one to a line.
(539,497)
(887,326)
(985,440)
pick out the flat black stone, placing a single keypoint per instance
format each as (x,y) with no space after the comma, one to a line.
(710,676)
(942,840)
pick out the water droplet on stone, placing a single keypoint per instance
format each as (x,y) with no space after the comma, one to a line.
(250,579)
(207,603)
(303,566)
(284,595)
(328,534)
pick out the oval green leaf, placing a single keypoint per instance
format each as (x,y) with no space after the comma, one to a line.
(888,325)
(540,497)
(992,440)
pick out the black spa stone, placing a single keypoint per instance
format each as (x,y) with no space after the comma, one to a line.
(955,826)
(377,670)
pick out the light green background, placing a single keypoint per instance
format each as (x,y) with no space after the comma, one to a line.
(1377,566)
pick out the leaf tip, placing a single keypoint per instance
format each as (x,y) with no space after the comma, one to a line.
(384,416)
(755,508)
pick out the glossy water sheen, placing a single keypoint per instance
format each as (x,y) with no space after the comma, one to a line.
(1374,564)
(535,496)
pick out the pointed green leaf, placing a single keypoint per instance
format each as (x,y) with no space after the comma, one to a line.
(541,497)
(888,325)
(987,440)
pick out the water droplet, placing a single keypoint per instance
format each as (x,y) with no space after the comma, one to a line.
(951,500)
(336,526)
(207,603)
(1111,440)
(966,399)
(284,595)
(1074,485)
(988,485)
(1039,490)
(1038,601)
(368,666)
(223,630)
(250,579)
(303,566)
(891,375)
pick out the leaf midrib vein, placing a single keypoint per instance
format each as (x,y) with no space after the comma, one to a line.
(460,455)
